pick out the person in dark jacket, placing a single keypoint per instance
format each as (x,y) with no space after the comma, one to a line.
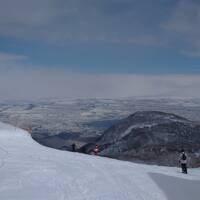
(183,161)
(74,147)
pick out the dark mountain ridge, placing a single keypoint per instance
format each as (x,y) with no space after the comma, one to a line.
(151,137)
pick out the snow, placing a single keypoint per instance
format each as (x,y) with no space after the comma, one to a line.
(166,119)
(31,171)
(190,189)
(56,115)
(135,126)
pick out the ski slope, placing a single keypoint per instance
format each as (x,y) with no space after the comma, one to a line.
(29,171)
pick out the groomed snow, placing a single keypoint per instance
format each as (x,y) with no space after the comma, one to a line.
(29,171)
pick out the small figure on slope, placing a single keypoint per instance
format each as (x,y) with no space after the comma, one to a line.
(183,161)
(74,147)
(96,150)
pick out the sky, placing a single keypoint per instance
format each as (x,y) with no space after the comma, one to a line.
(99,48)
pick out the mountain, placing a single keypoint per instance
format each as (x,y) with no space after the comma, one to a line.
(151,137)
(62,141)
(34,172)
(87,119)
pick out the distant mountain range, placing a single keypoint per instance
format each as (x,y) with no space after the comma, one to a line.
(60,123)
(151,137)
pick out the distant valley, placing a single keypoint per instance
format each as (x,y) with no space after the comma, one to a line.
(58,123)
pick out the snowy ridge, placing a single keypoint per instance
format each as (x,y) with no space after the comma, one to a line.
(129,129)
(32,172)
(149,125)
(9,131)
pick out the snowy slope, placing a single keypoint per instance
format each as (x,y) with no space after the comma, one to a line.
(29,171)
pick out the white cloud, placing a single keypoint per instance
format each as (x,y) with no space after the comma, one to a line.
(184,27)
(63,21)
(11,57)
(117,21)
(37,84)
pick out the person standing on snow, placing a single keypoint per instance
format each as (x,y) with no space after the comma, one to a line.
(183,161)
(96,150)
(74,147)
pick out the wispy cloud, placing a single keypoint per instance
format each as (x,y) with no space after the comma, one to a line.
(183,27)
(117,21)
(11,57)
(63,21)
(37,84)
(91,33)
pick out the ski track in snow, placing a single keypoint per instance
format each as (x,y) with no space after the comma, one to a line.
(3,156)
(29,171)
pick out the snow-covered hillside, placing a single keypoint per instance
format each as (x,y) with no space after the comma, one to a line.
(29,171)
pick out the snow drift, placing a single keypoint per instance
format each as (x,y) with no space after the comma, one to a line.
(29,171)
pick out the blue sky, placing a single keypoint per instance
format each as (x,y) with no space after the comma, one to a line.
(109,37)
(115,36)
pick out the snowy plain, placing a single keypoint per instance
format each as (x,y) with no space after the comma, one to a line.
(29,171)
(54,116)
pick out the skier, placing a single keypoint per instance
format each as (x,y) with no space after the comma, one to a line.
(183,161)
(96,150)
(73,147)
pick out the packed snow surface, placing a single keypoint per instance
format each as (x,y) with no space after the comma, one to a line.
(29,171)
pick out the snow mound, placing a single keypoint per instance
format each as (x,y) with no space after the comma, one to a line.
(31,171)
